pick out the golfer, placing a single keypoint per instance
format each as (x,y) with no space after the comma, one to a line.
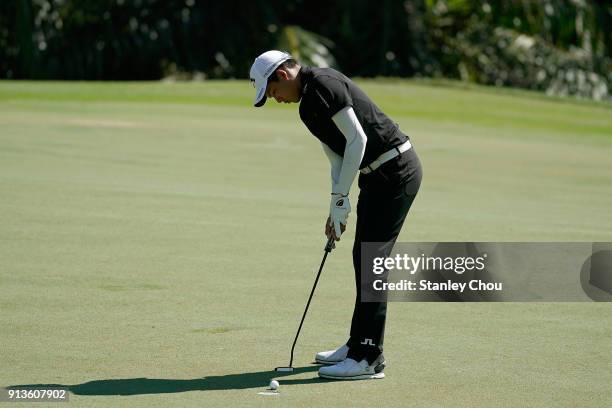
(357,137)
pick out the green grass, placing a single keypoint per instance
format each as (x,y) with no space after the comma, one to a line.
(160,240)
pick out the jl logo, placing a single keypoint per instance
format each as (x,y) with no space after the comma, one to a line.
(367,342)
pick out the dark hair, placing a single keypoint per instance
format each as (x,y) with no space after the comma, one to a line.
(290,63)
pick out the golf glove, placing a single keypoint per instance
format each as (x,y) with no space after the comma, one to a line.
(339,209)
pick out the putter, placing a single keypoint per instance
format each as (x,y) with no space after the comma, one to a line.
(328,248)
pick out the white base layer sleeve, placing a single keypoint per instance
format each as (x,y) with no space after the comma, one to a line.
(356,140)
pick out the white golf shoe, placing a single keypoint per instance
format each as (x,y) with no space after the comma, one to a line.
(350,369)
(332,356)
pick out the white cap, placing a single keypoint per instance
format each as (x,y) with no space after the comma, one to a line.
(261,69)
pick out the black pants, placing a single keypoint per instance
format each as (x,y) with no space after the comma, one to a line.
(383,204)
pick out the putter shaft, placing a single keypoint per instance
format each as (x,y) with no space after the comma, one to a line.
(328,248)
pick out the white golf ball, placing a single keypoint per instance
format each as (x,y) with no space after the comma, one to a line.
(274,385)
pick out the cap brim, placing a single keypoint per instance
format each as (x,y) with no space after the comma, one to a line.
(260,95)
(261,102)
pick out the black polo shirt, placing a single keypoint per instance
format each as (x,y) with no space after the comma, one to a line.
(325,92)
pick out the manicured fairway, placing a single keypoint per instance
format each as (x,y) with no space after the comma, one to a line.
(159,241)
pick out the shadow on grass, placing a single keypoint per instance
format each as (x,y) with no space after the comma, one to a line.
(138,386)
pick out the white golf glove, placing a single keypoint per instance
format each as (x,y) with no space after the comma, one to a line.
(339,209)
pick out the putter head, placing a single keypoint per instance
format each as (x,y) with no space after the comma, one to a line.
(284,369)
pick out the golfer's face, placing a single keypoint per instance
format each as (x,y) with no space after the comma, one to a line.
(283,90)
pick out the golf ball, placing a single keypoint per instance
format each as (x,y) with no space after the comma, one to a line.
(274,385)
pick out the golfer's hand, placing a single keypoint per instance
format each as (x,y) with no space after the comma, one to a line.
(329,230)
(339,209)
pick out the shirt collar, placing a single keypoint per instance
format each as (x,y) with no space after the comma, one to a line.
(305,76)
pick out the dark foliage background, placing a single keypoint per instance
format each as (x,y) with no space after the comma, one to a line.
(560,47)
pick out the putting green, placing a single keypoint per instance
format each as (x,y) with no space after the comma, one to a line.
(159,242)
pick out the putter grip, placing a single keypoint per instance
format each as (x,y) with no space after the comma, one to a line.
(330,245)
